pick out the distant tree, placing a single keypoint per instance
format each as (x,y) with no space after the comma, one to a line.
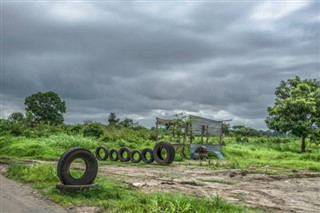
(225,128)
(240,130)
(45,107)
(127,122)
(296,109)
(16,117)
(112,119)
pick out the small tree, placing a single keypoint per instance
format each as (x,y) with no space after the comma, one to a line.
(127,122)
(112,119)
(16,117)
(296,108)
(45,107)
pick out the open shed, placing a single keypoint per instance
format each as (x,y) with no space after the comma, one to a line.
(184,130)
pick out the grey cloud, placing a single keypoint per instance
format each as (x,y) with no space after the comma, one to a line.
(152,59)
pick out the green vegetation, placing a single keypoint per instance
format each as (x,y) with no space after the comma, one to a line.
(41,134)
(281,153)
(45,107)
(296,109)
(113,196)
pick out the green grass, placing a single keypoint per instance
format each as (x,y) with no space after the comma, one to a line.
(255,153)
(114,196)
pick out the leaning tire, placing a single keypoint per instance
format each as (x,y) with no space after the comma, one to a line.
(122,151)
(157,152)
(144,155)
(106,153)
(68,157)
(132,155)
(112,156)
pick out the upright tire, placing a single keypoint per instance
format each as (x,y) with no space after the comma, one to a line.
(111,155)
(132,155)
(64,166)
(158,156)
(106,153)
(122,151)
(144,155)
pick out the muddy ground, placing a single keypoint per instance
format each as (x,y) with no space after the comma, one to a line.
(284,193)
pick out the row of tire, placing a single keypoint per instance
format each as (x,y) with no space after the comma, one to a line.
(124,154)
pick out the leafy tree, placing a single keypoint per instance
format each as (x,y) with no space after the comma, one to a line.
(112,119)
(240,130)
(127,122)
(296,109)
(45,107)
(16,117)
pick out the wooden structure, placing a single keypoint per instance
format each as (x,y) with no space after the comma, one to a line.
(182,130)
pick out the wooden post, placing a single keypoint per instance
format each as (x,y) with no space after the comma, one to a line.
(207,133)
(191,133)
(157,132)
(179,129)
(202,132)
(220,140)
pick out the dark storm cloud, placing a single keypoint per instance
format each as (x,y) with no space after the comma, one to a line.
(147,59)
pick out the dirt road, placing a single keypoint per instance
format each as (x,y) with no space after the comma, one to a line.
(18,198)
(283,193)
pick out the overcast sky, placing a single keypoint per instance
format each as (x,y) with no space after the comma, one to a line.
(146,59)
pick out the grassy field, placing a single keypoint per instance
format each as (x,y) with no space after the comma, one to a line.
(254,153)
(267,155)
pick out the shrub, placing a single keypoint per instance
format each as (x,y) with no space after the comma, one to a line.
(93,130)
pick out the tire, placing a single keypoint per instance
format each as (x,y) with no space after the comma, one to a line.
(144,157)
(106,153)
(133,160)
(123,150)
(113,158)
(64,166)
(169,150)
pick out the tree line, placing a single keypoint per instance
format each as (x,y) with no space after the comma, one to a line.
(296,111)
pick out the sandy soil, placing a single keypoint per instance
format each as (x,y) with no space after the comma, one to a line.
(283,193)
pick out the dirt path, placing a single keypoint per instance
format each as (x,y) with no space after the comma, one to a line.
(283,193)
(17,198)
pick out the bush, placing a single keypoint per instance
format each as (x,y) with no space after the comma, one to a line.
(93,130)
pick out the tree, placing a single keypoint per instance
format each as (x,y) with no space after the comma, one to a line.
(296,109)
(16,117)
(127,122)
(45,107)
(112,119)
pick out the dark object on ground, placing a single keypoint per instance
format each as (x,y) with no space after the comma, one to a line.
(71,155)
(133,154)
(144,155)
(121,152)
(163,153)
(106,153)
(73,188)
(111,155)
(200,153)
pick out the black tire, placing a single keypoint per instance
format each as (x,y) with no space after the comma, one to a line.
(106,153)
(132,154)
(169,151)
(144,155)
(113,158)
(68,157)
(121,152)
